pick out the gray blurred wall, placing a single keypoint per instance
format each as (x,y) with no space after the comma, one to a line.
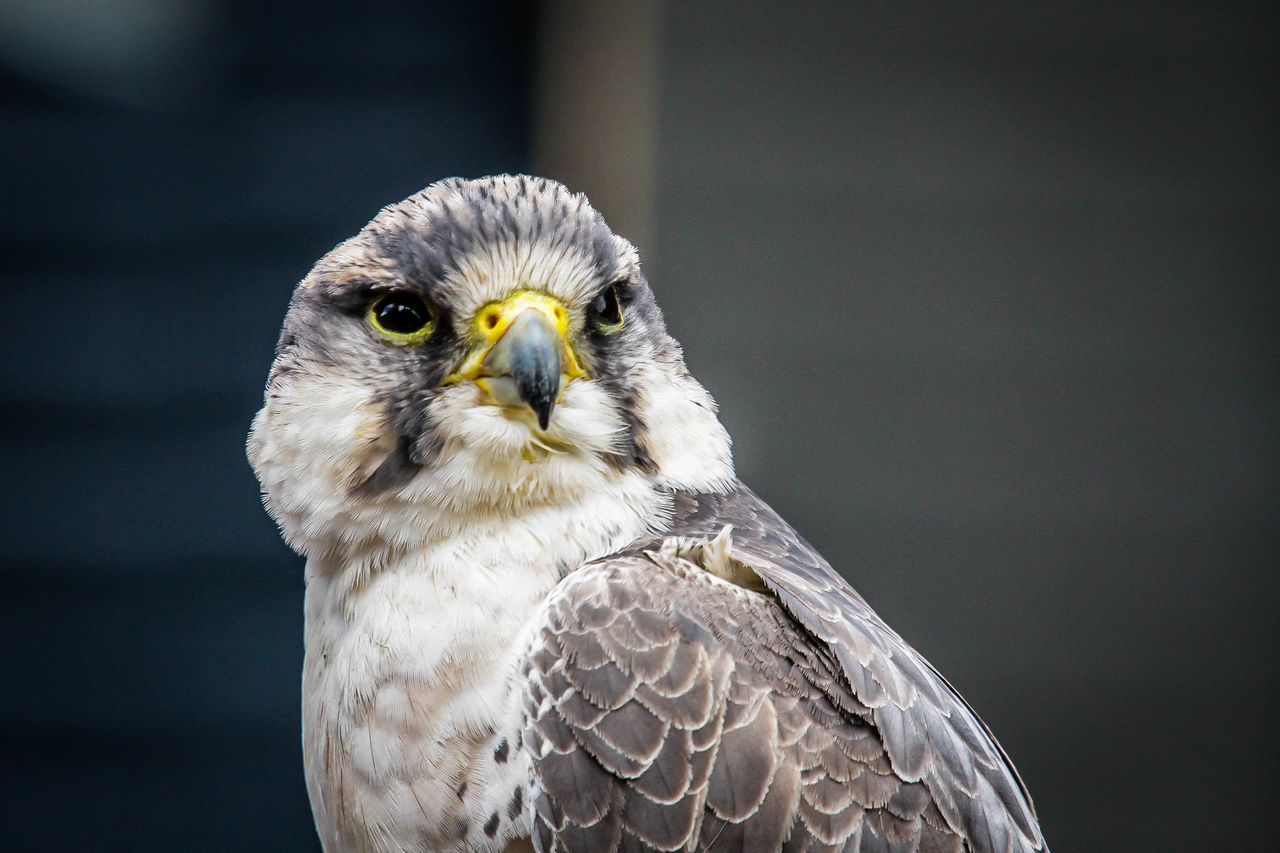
(988,295)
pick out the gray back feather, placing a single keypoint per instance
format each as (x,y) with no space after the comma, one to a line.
(669,709)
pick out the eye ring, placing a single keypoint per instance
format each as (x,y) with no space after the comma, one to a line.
(605,310)
(402,317)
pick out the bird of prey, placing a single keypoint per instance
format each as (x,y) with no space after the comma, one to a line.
(541,610)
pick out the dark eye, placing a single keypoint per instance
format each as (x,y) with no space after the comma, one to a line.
(606,310)
(402,316)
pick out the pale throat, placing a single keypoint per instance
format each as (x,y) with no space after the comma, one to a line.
(452,608)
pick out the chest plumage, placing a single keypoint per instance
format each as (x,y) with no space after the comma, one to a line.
(412,723)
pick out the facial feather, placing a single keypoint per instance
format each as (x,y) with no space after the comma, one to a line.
(361,439)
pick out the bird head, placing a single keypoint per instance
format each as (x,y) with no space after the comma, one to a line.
(482,348)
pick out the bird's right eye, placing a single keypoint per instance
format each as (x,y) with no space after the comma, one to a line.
(403,317)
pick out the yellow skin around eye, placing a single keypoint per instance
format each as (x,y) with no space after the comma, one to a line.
(409,339)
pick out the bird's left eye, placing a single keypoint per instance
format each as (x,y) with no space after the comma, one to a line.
(606,310)
(403,317)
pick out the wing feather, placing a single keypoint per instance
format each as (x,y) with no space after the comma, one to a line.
(673,709)
(929,732)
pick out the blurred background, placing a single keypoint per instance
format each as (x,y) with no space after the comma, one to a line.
(987,293)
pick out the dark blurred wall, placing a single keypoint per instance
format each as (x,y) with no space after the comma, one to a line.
(171,170)
(988,296)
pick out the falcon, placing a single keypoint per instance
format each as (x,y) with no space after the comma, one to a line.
(541,610)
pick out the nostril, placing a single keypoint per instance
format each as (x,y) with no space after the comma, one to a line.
(490,319)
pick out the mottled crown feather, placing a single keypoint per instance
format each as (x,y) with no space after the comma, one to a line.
(522,224)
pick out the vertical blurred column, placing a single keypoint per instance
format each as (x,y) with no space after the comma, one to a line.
(596,109)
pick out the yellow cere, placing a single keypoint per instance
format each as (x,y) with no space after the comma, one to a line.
(493,320)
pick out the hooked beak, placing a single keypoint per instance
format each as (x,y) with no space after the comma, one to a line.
(525,357)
